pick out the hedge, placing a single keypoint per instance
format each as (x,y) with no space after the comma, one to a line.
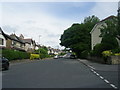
(11,54)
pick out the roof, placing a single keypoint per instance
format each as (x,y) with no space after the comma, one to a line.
(12,36)
(5,35)
(28,41)
(110,17)
(16,38)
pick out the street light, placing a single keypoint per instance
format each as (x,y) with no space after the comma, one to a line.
(39,45)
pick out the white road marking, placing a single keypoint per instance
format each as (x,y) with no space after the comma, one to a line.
(106,81)
(97,74)
(101,77)
(92,69)
(113,86)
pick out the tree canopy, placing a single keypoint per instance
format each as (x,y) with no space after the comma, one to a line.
(77,37)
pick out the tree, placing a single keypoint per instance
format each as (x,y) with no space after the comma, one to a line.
(109,33)
(77,37)
(43,52)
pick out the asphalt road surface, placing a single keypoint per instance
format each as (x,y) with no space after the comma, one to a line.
(53,73)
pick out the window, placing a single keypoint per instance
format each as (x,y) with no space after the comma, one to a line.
(1,41)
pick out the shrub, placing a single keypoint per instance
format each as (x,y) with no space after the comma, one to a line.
(109,42)
(98,49)
(117,54)
(34,56)
(84,54)
(14,54)
(107,53)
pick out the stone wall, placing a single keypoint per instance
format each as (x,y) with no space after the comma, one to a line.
(115,59)
(96,59)
(110,60)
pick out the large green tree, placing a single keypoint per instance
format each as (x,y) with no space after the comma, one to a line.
(110,33)
(77,37)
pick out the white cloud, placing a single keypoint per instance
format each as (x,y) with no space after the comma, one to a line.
(59,0)
(105,9)
(31,25)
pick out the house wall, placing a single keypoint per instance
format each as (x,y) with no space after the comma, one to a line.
(4,40)
(95,39)
(8,43)
(27,46)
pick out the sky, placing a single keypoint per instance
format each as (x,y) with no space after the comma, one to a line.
(45,22)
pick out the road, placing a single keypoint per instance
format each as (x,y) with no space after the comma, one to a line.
(53,73)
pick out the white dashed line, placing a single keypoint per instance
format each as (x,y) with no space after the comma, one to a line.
(101,77)
(113,86)
(91,67)
(94,72)
(105,80)
(97,74)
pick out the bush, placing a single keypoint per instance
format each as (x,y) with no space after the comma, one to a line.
(84,54)
(43,52)
(117,50)
(107,53)
(14,54)
(34,56)
(98,49)
(109,42)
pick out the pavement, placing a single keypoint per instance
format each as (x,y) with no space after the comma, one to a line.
(108,73)
(14,62)
(99,66)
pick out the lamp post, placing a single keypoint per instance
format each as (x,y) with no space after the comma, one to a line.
(39,46)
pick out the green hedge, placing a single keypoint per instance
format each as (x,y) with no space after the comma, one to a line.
(14,54)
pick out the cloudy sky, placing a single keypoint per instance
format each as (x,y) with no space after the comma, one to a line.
(49,19)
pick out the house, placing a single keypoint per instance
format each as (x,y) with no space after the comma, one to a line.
(29,47)
(2,39)
(30,44)
(17,43)
(95,33)
(11,41)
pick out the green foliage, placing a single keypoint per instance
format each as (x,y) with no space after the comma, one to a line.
(98,49)
(109,28)
(14,54)
(109,42)
(34,56)
(84,54)
(109,34)
(107,53)
(117,50)
(77,37)
(118,25)
(43,52)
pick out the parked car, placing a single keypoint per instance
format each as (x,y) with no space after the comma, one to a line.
(56,57)
(5,63)
(72,56)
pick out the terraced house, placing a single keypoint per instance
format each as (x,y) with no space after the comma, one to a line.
(18,43)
